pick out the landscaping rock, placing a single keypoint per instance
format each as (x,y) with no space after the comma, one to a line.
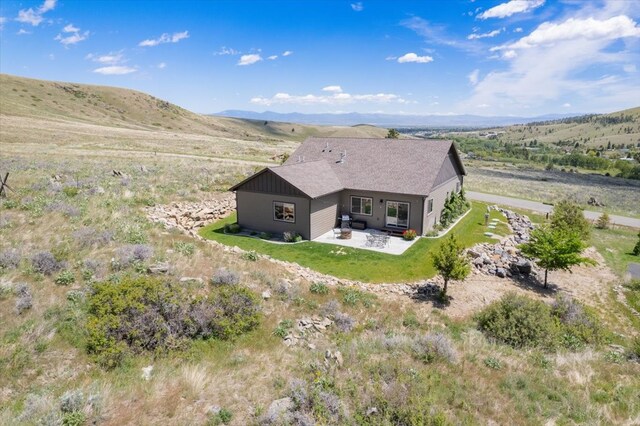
(279,408)
(159,268)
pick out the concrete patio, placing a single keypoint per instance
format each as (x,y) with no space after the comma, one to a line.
(395,245)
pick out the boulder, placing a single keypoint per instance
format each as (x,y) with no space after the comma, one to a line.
(158,268)
(279,408)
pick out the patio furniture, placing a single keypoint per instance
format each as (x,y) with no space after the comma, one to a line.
(336,232)
(376,239)
(358,224)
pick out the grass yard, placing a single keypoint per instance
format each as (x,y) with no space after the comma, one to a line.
(615,245)
(357,264)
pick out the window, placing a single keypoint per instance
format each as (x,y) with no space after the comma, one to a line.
(284,212)
(361,205)
(430,206)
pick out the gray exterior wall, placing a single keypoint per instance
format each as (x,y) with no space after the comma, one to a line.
(255,212)
(324,214)
(439,196)
(271,183)
(378,216)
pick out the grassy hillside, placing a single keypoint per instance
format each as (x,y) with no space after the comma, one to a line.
(26,103)
(591,131)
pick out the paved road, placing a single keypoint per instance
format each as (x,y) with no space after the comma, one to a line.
(544,208)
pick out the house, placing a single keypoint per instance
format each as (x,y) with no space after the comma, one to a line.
(391,184)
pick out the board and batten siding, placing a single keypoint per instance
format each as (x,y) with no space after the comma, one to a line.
(439,196)
(255,212)
(377,219)
(269,182)
(324,214)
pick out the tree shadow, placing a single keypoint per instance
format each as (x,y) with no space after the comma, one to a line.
(432,293)
(533,284)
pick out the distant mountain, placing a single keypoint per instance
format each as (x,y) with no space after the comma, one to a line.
(390,120)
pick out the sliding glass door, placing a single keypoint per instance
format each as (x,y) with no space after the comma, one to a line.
(397,214)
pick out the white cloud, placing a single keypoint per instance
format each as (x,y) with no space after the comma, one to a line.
(70,29)
(115,70)
(74,38)
(272,57)
(22,31)
(490,34)
(111,58)
(226,51)
(34,16)
(483,106)
(518,30)
(358,7)
(164,38)
(162,65)
(566,105)
(412,57)
(574,28)
(511,8)
(629,68)
(334,89)
(287,53)
(473,76)
(335,98)
(249,59)
(2,22)
(558,59)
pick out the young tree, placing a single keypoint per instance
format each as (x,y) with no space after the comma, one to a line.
(554,249)
(603,221)
(451,262)
(636,249)
(568,216)
(393,134)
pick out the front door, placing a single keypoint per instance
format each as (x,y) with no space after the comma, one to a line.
(397,214)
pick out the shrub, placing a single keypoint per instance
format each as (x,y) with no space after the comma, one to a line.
(90,237)
(250,255)
(45,263)
(603,221)
(232,228)
(24,299)
(131,254)
(224,276)
(223,416)
(185,249)
(330,308)
(579,326)
(433,347)
(518,322)
(283,328)
(636,248)
(352,296)
(71,401)
(409,234)
(65,277)
(10,259)
(319,288)
(291,237)
(64,208)
(410,320)
(344,323)
(492,362)
(70,191)
(148,314)
(264,236)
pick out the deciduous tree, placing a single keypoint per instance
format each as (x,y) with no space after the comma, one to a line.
(451,262)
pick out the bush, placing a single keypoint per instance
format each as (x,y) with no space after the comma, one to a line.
(224,276)
(518,322)
(45,263)
(493,363)
(232,228)
(185,249)
(24,299)
(433,347)
(90,237)
(603,221)
(71,401)
(132,254)
(264,236)
(148,314)
(283,328)
(579,326)
(409,234)
(291,237)
(344,323)
(10,259)
(66,277)
(70,191)
(319,288)
(250,255)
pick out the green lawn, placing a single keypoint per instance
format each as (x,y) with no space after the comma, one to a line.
(357,264)
(615,245)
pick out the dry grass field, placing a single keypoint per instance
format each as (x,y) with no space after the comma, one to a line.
(71,224)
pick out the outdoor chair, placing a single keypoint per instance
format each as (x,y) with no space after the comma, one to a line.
(336,232)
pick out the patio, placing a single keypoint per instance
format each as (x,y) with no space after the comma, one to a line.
(368,239)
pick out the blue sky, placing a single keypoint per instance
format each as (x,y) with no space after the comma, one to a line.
(486,57)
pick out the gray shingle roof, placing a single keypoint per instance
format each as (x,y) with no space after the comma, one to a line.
(403,166)
(314,178)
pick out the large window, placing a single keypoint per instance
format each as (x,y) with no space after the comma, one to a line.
(284,212)
(361,205)
(430,206)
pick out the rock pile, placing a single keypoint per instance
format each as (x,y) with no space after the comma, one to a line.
(503,259)
(305,327)
(188,216)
